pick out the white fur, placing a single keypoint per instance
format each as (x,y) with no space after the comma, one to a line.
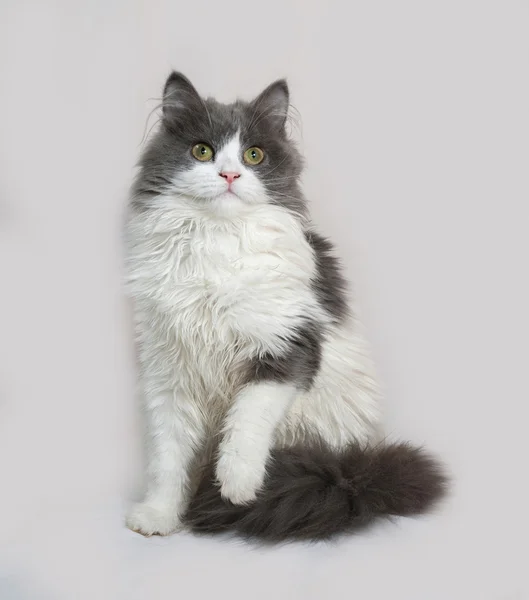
(176,430)
(217,279)
(342,404)
(248,435)
(203,181)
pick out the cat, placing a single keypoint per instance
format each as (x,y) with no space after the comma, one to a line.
(259,391)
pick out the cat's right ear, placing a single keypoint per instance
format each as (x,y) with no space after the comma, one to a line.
(179,96)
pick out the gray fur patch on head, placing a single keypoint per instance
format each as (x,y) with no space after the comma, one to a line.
(189,119)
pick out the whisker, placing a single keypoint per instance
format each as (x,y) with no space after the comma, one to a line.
(278,165)
(268,113)
(285,178)
(294,120)
(287,195)
(145,135)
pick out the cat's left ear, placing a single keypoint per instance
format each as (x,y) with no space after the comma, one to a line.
(272,104)
(179,96)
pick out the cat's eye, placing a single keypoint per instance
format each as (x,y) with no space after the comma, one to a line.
(202,152)
(253,156)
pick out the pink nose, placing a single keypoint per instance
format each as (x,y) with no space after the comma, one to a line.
(230,176)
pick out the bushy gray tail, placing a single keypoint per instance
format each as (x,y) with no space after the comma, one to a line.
(318,493)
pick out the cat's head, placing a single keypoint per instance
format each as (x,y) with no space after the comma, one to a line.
(212,153)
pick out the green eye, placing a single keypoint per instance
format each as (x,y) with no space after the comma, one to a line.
(202,152)
(253,156)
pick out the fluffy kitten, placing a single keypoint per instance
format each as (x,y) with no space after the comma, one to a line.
(259,392)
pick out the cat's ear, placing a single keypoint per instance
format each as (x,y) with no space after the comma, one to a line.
(272,104)
(179,96)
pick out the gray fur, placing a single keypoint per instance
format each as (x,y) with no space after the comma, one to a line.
(318,493)
(189,119)
(329,284)
(299,365)
(314,491)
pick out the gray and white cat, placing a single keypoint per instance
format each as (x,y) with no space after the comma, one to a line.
(259,393)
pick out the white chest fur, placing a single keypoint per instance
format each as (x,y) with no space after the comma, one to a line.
(218,291)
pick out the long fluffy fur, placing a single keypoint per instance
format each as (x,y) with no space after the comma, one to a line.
(318,493)
(247,336)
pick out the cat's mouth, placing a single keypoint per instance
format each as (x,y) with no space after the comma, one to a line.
(228,195)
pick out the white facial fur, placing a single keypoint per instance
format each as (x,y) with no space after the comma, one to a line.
(204,182)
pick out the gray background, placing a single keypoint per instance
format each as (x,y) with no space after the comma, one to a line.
(415,128)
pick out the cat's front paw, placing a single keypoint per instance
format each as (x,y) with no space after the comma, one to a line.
(240,479)
(149,519)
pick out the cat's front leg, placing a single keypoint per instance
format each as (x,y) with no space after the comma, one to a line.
(250,426)
(248,437)
(175,434)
